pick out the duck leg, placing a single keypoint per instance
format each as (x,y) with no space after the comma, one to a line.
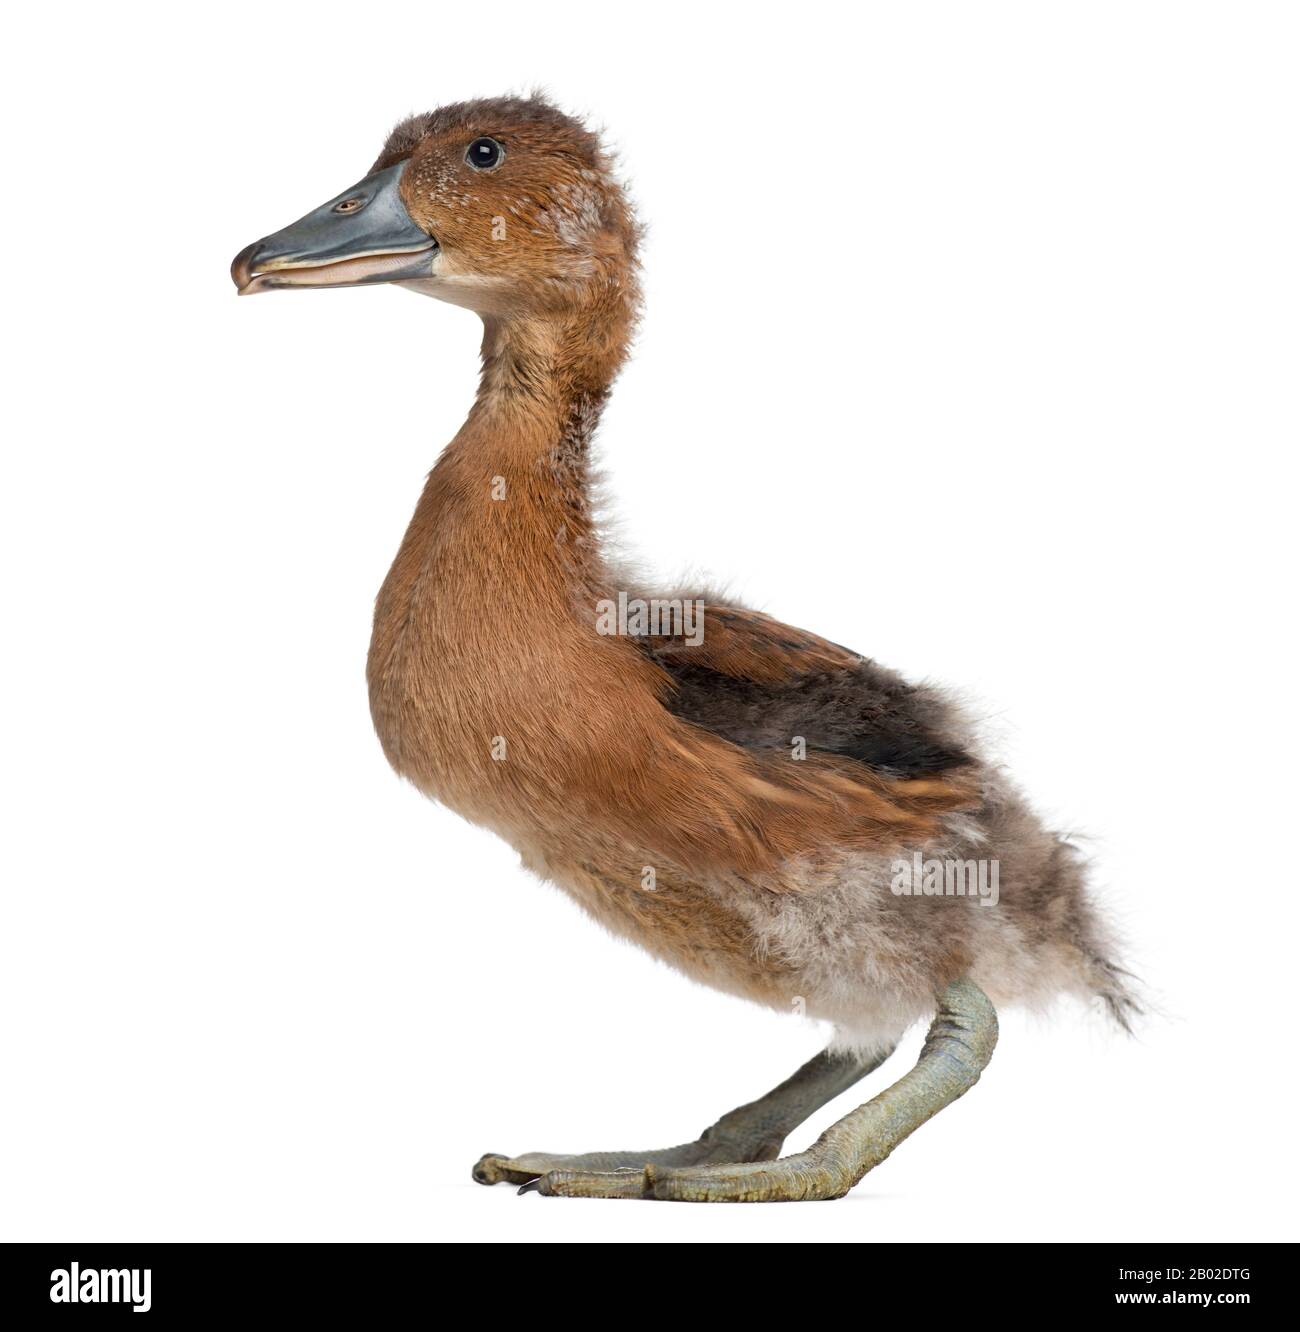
(753,1132)
(957,1048)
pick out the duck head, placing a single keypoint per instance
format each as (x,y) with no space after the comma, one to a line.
(504,205)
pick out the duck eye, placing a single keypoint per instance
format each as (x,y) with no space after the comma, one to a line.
(349,205)
(484,154)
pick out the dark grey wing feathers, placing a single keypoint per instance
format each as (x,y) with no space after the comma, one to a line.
(862,712)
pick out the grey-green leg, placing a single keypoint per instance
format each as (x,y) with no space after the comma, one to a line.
(958,1047)
(754,1132)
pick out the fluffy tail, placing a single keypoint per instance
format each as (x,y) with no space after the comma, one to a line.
(1118,989)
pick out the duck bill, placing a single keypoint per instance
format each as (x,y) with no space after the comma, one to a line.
(361,236)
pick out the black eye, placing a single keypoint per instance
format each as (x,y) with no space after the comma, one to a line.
(484,154)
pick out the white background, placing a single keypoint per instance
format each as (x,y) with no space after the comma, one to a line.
(971,341)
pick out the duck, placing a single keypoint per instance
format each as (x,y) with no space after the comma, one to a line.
(772,814)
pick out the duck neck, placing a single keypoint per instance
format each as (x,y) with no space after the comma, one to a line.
(540,361)
(526,441)
(544,385)
(506,514)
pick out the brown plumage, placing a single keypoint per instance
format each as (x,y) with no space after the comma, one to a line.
(602,757)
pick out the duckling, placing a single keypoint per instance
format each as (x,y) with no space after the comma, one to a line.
(773,814)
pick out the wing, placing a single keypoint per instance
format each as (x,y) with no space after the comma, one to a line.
(690,760)
(763,685)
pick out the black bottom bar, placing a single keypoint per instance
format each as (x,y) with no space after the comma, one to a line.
(359,1283)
